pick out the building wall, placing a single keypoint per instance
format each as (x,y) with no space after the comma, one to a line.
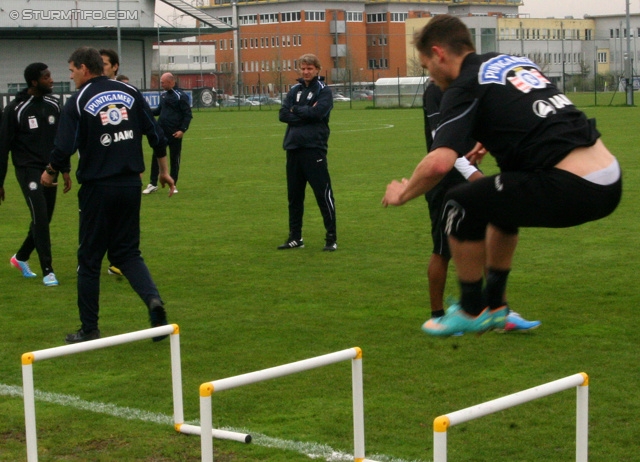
(56,54)
(77,13)
(561,47)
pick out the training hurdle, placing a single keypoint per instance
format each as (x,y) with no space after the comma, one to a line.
(355,354)
(580,381)
(176,377)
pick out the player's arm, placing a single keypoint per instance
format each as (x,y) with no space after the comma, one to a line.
(427,174)
(64,145)
(318,110)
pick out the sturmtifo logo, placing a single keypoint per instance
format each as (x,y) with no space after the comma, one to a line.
(105,139)
(543,109)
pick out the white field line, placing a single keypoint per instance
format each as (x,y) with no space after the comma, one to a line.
(280,134)
(311,450)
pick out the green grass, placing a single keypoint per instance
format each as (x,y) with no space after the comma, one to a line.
(243,306)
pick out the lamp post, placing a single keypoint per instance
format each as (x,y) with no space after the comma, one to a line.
(627,68)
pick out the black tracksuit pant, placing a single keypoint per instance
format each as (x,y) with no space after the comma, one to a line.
(307,165)
(41,202)
(175,152)
(110,223)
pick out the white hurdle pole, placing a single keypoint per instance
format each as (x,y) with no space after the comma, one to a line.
(28,359)
(581,380)
(208,388)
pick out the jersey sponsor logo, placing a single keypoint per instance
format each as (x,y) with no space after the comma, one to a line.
(123,135)
(114,115)
(496,69)
(545,108)
(526,80)
(105,139)
(106,98)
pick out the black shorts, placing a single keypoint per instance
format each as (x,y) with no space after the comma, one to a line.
(550,198)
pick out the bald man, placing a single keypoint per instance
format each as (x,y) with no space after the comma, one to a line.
(175,116)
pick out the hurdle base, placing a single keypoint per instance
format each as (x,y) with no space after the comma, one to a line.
(218,434)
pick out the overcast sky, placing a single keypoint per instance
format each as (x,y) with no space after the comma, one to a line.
(577,8)
(535,8)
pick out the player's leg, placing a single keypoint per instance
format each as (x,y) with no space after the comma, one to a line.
(317,173)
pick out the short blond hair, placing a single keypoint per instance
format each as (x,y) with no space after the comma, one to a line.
(312,59)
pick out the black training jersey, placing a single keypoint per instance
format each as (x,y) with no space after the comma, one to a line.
(104,121)
(28,129)
(306,111)
(507,104)
(174,111)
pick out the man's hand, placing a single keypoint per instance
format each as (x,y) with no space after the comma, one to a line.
(67,182)
(476,155)
(394,193)
(47,180)
(165,179)
(178,134)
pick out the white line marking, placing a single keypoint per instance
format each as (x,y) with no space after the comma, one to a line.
(311,450)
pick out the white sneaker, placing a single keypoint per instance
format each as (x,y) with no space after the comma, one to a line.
(149,189)
(50,280)
(175,191)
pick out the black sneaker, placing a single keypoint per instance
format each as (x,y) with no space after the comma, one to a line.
(157,317)
(330,243)
(82,336)
(292,244)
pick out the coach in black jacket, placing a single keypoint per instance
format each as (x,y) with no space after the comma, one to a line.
(175,116)
(28,129)
(104,121)
(306,111)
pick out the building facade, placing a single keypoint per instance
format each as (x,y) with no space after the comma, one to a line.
(355,40)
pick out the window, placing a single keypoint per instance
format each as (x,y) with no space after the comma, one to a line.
(171,59)
(290,16)
(399,17)
(227,20)
(377,17)
(354,16)
(384,63)
(314,15)
(247,19)
(587,34)
(195,59)
(373,64)
(602,57)
(268,18)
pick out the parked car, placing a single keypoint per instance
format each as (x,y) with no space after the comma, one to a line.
(339,97)
(232,102)
(361,95)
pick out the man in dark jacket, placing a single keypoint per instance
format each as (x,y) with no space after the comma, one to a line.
(28,129)
(104,121)
(306,110)
(175,116)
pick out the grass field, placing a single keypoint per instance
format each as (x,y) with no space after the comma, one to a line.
(243,306)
